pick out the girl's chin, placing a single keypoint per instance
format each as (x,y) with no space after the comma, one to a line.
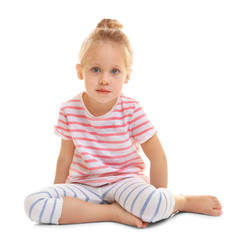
(103,98)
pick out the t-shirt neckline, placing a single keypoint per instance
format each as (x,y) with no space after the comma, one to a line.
(102,116)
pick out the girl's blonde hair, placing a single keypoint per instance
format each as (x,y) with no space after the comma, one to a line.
(108,30)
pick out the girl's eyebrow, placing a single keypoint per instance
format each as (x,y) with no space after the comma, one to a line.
(116,66)
(93,64)
(98,65)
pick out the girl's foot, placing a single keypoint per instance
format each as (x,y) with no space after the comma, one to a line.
(198,204)
(122,216)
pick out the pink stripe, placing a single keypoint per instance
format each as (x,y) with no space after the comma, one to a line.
(61,113)
(127,102)
(105,149)
(143,132)
(75,170)
(100,141)
(98,119)
(108,157)
(81,165)
(120,171)
(98,127)
(137,110)
(96,181)
(110,163)
(134,163)
(112,180)
(90,160)
(106,180)
(123,109)
(61,121)
(74,100)
(73,107)
(139,117)
(122,163)
(96,168)
(62,133)
(140,125)
(95,133)
(108,174)
(115,173)
(87,161)
(92,168)
(66,130)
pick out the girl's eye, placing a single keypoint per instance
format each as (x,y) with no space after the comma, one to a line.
(115,71)
(95,70)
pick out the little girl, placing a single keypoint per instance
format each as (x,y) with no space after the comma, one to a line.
(100,173)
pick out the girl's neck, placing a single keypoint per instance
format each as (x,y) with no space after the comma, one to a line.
(95,108)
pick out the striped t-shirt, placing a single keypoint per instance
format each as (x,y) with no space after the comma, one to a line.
(106,147)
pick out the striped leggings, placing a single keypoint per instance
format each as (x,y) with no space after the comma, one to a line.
(133,194)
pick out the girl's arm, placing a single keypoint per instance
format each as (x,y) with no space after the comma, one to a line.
(158,168)
(64,161)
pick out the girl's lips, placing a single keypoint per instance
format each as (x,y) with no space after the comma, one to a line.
(102,90)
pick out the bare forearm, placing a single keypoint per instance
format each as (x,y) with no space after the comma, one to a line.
(62,172)
(64,161)
(159,173)
(60,179)
(158,169)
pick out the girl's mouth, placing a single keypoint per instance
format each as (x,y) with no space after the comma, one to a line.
(103,91)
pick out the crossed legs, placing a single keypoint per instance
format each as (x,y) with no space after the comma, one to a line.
(133,202)
(78,211)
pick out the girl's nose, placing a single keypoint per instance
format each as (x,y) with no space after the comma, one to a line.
(104,80)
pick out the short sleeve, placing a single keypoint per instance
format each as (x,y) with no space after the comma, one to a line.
(62,127)
(141,127)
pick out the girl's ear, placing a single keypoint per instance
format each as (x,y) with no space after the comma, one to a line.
(128,76)
(79,71)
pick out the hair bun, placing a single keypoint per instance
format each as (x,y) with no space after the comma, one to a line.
(109,23)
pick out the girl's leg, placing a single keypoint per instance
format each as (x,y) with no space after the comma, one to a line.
(139,203)
(78,211)
(209,205)
(74,203)
(45,206)
(152,205)
(141,199)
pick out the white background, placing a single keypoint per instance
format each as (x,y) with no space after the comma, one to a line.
(183,74)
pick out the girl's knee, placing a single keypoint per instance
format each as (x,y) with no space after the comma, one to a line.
(43,208)
(155,205)
(33,205)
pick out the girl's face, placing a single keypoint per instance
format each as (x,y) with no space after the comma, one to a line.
(104,72)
